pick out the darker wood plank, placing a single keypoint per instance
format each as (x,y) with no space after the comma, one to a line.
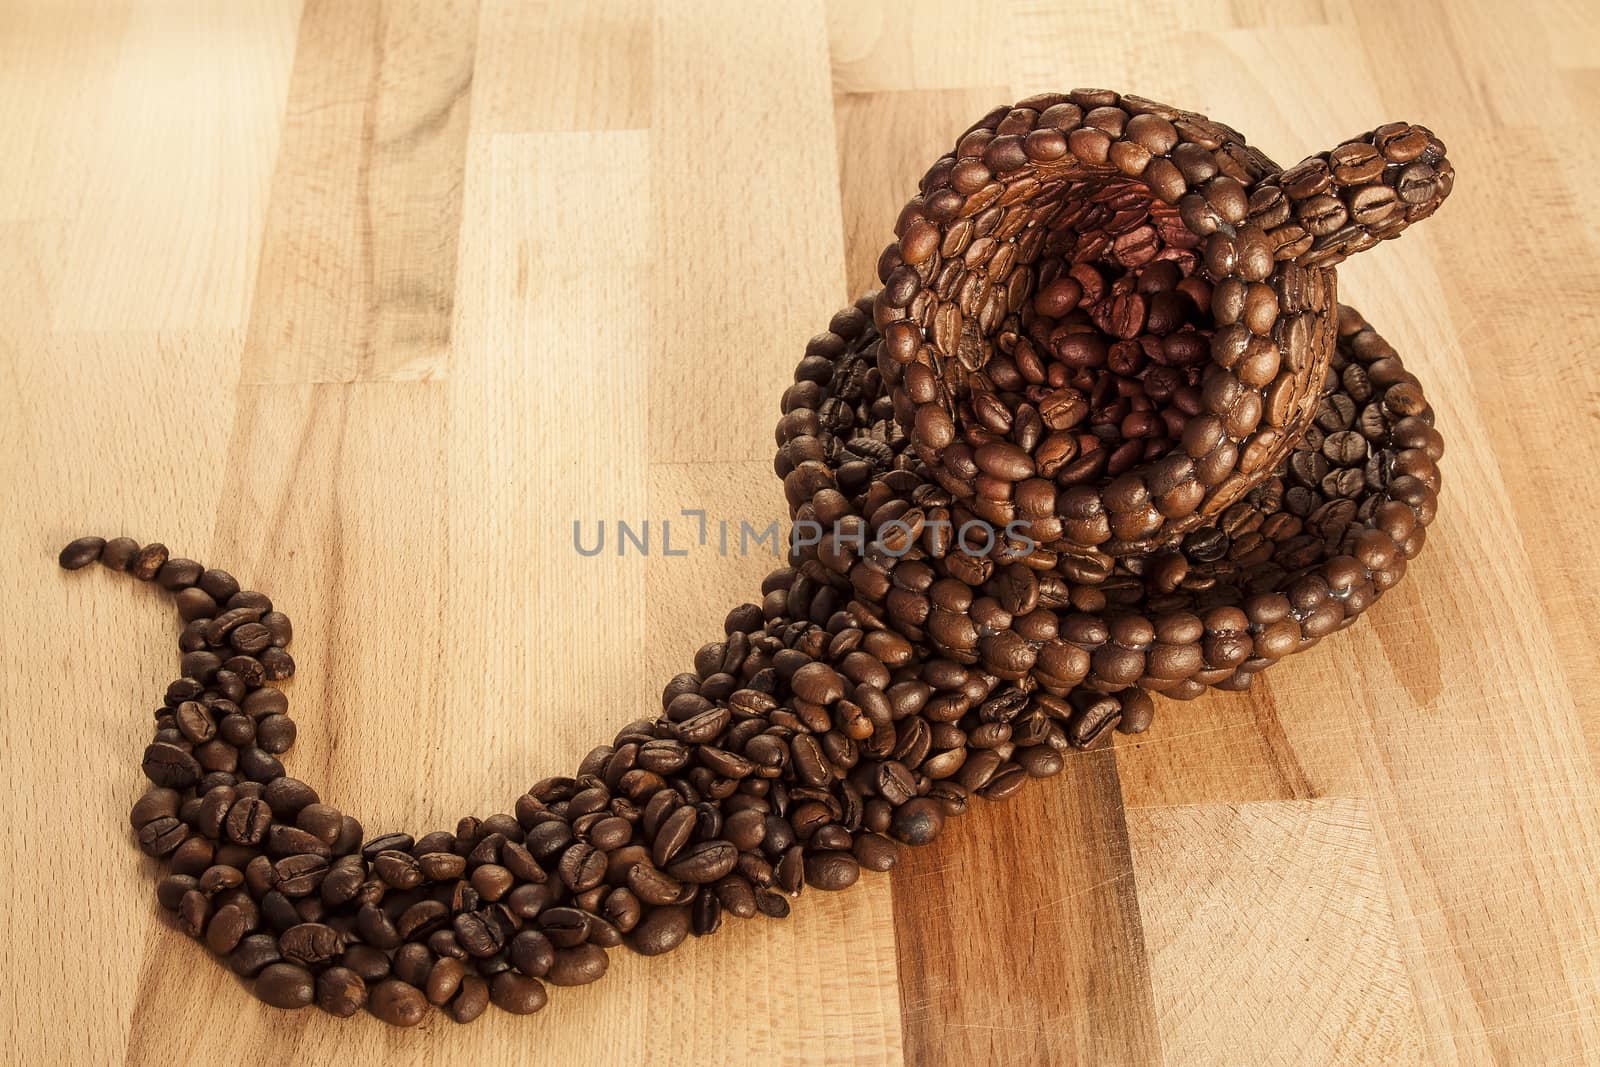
(1019,933)
(358,259)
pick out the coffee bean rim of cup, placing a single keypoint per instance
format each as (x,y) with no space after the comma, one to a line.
(1260,226)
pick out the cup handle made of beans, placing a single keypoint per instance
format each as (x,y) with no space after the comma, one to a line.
(1336,203)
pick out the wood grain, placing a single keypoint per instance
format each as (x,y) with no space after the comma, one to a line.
(368,301)
(1270,935)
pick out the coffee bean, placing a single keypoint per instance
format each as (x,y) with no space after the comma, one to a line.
(162,835)
(832,870)
(875,852)
(1345,448)
(195,722)
(118,553)
(279,629)
(661,930)
(220,584)
(413,963)
(247,821)
(532,954)
(341,992)
(312,944)
(653,886)
(170,766)
(818,683)
(263,702)
(276,735)
(917,822)
(398,869)
(147,563)
(397,1003)
(253,955)
(300,875)
(582,867)
(704,862)
(577,966)
(517,994)
(444,980)
(176,574)
(472,1001)
(371,964)
(672,835)
(772,905)
(276,664)
(285,985)
(82,552)
(156,803)
(250,638)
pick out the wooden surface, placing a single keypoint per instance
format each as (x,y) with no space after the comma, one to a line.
(367,302)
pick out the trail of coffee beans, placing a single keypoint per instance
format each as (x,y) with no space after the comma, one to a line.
(892,672)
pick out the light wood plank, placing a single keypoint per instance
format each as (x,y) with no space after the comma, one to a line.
(548,65)
(886,142)
(359,261)
(168,227)
(747,245)
(1270,936)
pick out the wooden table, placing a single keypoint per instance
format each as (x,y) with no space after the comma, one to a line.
(368,302)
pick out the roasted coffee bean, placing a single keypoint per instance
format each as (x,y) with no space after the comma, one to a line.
(413,963)
(831,870)
(147,562)
(312,944)
(532,953)
(82,552)
(652,885)
(397,1003)
(672,835)
(704,862)
(398,869)
(220,584)
(444,981)
(517,994)
(772,905)
(195,722)
(247,821)
(293,841)
(479,933)
(155,804)
(285,985)
(577,966)
(253,955)
(917,822)
(194,912)
(341,992)
(259,766)
(169,766)
(662,929)
(264,702)
(582,867)
(118,553)
(177,573)
(371,964)
(299,875)
(875,852)
(472,1001)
